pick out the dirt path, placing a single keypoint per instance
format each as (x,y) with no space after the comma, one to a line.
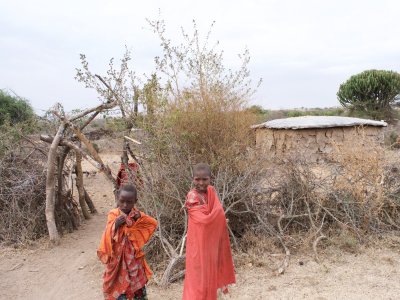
(72,271)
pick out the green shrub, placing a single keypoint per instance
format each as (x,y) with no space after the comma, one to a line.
(14,109)
(371,93)
(115,124)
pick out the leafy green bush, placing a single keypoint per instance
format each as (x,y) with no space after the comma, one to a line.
(16,119)
(371,93)
(14,109)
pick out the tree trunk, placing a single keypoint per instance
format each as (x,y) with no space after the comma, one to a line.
(79,185)
(104,168)
(136,95)
(90,204)
(60,169)
(50,186)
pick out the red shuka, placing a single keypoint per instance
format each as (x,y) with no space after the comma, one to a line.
(123,174)
(209,264)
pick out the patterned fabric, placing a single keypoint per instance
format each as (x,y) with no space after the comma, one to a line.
(139,295)
(195,198)
(123,175)
(126,269)
(124,273)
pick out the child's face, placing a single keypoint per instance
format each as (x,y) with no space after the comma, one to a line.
(126,201)
(201,180)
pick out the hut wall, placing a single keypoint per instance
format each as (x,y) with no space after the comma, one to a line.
(314,144)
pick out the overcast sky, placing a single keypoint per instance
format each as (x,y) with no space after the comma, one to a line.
(303,49)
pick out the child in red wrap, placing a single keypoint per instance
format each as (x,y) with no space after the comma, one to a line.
(209,264)
(127,231)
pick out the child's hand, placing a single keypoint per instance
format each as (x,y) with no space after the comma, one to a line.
(136,216)
(119,221)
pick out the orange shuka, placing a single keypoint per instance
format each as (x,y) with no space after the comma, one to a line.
(121,250)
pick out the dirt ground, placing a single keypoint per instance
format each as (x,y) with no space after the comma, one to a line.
(72,271)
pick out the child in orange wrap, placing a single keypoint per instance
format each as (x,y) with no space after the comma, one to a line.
(127,231)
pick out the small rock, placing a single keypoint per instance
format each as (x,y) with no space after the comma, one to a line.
(301,263)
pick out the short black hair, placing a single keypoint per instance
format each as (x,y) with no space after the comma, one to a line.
(202,167)
(130,188)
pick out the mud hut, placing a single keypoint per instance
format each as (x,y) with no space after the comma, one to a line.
(315,137)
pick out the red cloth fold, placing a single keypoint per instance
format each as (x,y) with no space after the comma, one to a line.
(209,264)
(123,174)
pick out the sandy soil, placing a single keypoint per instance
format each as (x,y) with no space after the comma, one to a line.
(72,271)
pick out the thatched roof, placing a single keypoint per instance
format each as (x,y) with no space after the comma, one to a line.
(318,122)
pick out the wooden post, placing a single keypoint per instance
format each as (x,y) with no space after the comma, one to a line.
(60,169)
(79,185)
(50,186)
(90,204)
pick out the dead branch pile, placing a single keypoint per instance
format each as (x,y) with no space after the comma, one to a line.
(22,194)
(357,194)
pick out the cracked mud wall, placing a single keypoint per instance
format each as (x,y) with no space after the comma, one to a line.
(313,144)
